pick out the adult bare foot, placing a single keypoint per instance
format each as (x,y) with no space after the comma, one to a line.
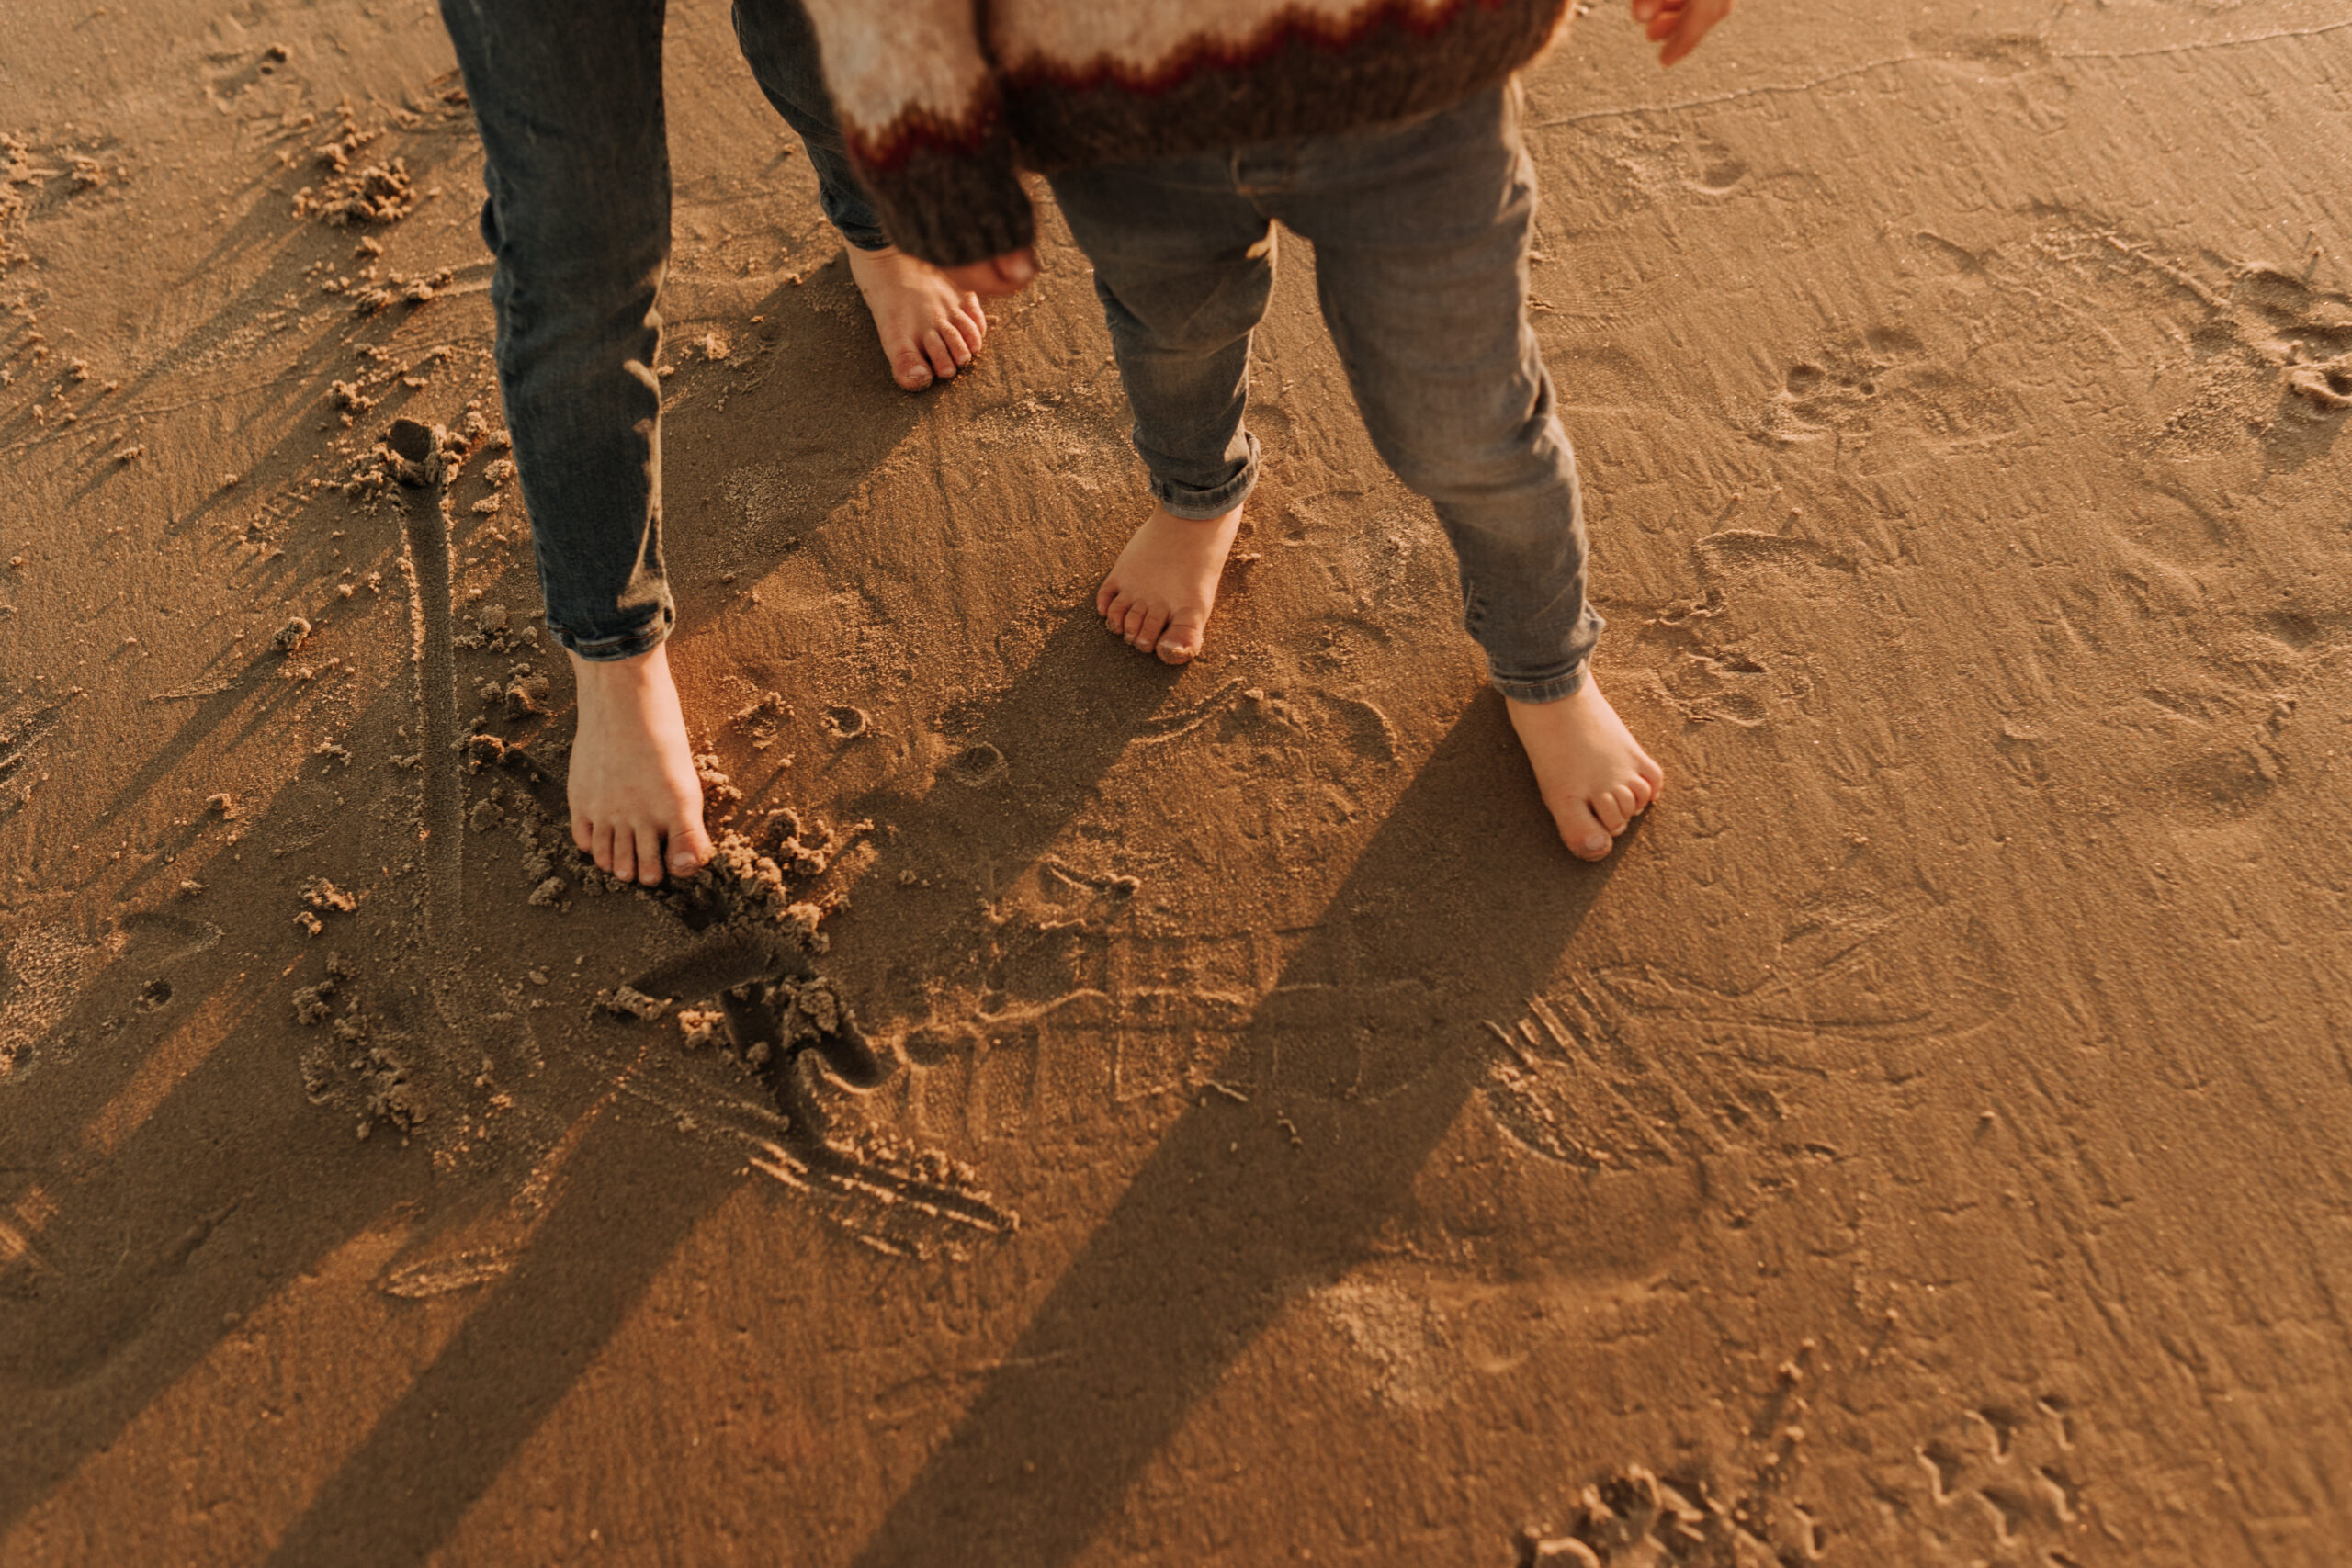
(930,328)
(1163,585)
(635,798)
(1595,776)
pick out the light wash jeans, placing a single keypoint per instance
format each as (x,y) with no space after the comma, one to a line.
(1421,233)
(567,97)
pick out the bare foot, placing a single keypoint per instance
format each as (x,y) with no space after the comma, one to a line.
(633,794)
(929,327)
(1594,774)
(1163,585)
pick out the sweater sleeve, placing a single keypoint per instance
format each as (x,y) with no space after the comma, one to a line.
(924,126)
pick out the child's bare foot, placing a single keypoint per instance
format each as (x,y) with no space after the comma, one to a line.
(929,327)
(1595,776)
(633,794)
(1163,585)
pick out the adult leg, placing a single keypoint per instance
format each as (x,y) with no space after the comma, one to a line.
(1184,264)
(929,327)
(567,97)
(1421,235)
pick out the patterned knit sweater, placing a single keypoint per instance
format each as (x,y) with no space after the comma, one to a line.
(939,100)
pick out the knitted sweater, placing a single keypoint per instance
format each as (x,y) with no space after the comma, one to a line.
(939,100)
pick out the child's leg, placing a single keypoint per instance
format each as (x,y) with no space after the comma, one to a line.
(1184,264)
(567,97)
(929,328)
(1421,235)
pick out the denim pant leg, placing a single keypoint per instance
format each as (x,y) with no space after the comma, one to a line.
(1184,265)
(781,48)
(1421,233)
(567,97)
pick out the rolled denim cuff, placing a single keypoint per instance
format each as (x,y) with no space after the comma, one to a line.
(1197,505)
(1561,681)
(618,645)
(1556,688)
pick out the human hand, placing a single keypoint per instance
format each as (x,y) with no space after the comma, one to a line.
(998,275)
(1680,23)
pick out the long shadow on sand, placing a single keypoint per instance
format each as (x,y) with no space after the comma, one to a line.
(634,1191)
(231,1186)
(1464,897)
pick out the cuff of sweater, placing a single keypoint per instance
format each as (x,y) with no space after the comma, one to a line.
(953,206)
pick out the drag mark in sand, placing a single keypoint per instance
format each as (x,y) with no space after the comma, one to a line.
(428,563)
(793,1030)
(20,737)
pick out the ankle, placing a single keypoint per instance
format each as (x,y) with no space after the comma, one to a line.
(621,678)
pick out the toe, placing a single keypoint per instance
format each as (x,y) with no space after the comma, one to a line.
(911,373)
(1628,801)
(621,860)
(1131,623)
(690,849)
(958,341)
(1582,833)
(975,322)
(1106,597)
(599,847)
(648,857)
(1180,643)
(1610,810)
(934,348)
(583,834)
(1155,621)
(1652,775)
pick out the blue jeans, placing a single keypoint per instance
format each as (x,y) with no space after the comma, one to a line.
(1420,233)
(567,97)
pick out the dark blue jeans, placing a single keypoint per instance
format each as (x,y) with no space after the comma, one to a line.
(567,97)
(1420,233)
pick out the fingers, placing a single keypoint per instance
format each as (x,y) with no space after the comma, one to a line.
(1017,268)
(1683,24)
(998,275)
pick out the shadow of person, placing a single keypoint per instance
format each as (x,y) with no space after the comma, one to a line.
(633,1191)
(229,1183)
(1346,1078)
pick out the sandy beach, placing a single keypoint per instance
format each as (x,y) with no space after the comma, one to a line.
(1926,1141)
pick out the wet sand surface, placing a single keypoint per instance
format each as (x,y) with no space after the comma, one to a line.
(1923,1143)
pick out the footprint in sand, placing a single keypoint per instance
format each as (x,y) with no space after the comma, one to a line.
(2003,1483)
